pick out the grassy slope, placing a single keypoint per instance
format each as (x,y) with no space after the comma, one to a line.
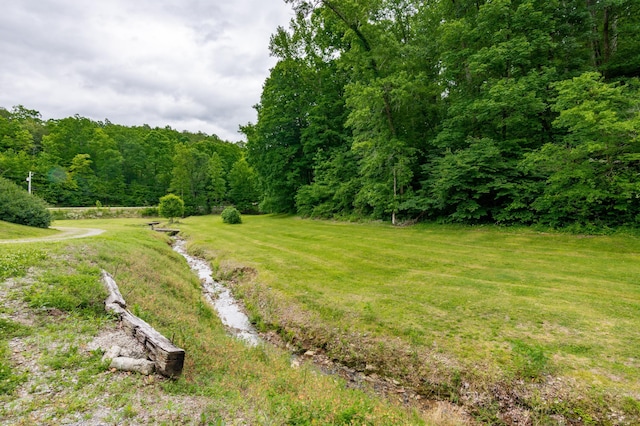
(11,231)
(232,383)
(499,305)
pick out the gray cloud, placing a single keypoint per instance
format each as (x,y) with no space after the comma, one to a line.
(195,65)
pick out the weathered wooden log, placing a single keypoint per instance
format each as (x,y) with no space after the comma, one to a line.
(141,366)
(114,292)
(168,358)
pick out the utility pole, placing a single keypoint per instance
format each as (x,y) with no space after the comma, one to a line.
(29,180)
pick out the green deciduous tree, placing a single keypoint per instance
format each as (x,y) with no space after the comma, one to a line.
(171,206)
(217,187)
(592,172)
(243,186)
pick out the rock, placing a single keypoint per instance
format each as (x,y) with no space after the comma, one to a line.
(113,352)
(141,366)
(309,354)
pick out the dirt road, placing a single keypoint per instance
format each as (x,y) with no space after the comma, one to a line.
(65,234)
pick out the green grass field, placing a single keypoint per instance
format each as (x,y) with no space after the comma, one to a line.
(496,320)
(484,305)
(12,231)
(55,285)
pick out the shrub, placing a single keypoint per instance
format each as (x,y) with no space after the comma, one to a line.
(231,215)
(18,206)
(149,212)
(171,206)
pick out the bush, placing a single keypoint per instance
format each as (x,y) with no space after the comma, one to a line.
(18,206)
(149,212)
(231,215)
(171,206)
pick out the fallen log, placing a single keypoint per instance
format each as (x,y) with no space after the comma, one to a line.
(141,366)
(168,358)
(114,292)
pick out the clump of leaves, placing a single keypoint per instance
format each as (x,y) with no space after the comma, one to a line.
(231,215)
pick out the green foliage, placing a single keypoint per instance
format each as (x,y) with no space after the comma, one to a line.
(9,380)
(231,215)
(16,262)
(10,329)
(591,176)
(77,160)
(82,292)
(190,178)
(217,186)
(73,358)
(371,109)
(447,108)
(18,206)
(243,186)
(171,206)
(149,212)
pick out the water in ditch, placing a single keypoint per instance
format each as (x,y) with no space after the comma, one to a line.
(220,298)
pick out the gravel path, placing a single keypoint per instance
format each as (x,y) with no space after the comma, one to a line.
(66,234)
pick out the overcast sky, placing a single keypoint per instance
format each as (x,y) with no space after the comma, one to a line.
(195,65)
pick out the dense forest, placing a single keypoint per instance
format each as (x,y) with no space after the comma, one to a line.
(496,111)
(475,111)
(79,162)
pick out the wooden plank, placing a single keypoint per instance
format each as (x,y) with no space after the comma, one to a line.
(168,358)
(171,232)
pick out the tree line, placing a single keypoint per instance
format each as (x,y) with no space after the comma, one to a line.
(80,162)
(474,111)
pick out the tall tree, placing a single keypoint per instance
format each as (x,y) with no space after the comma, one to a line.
(243,186)
(191,178)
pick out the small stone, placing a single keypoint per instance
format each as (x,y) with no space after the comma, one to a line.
(112,353)
(370,367)
(309,354)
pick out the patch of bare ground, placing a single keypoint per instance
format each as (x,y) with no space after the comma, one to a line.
(70,395)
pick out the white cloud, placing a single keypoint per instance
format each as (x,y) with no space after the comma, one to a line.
(195,65)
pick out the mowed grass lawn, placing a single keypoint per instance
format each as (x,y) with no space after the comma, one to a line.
(12,231)
(508,301)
